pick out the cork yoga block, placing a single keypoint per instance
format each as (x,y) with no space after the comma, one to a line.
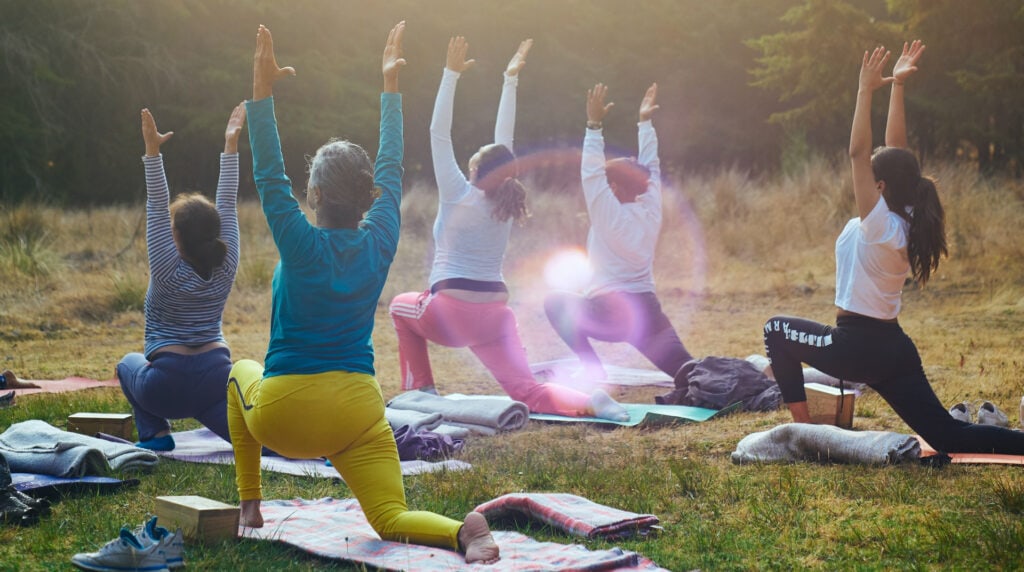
(200,518)
(116,424)
(828,406)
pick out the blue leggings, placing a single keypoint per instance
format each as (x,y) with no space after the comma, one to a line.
(175,386)
(880,354)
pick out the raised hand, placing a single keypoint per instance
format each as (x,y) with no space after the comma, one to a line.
(393,60)
(649,104)
(519,59)
(596,107)
(456,61)
(264,66)
(871,69)
(907,64)
(153,138)
(234,129)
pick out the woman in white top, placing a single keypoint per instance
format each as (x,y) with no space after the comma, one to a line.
(466,304)
(900,231)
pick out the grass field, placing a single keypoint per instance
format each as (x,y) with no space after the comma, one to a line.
(734,251)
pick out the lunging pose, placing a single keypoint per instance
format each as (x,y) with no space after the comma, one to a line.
(193,256)
(466,304)
(899,231)
(624,203)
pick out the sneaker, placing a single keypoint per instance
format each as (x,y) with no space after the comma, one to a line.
(172,543)
(961,412)
(123,554)
(989,414)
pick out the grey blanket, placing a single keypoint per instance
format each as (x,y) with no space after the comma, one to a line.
(484,415)
(826,443)
(37,447)
(418,421)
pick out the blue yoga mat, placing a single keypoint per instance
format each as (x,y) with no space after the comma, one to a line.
(48,485)
(647,414)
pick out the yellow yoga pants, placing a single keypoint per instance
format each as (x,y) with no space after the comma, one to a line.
(339,415)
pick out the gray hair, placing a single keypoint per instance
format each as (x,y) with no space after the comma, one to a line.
(344,174)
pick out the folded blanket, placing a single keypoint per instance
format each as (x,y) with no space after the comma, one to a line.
(806,442)
(337,528)
(35,446)
(482,415)
(570,513)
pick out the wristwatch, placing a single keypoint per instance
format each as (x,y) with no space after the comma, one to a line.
(594,124)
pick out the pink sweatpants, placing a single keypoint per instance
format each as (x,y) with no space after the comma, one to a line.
(490,331)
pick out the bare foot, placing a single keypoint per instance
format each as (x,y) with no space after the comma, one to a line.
(250,516)
(475,540)
(605,407)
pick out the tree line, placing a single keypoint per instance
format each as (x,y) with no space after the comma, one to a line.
(758,85)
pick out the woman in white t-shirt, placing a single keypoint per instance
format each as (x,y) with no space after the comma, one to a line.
(900,231)
(467,303)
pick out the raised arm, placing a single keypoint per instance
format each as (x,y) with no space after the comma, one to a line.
(865,190)
(163,254)
(505,124)
(896,123)
(451,182)
(293,234)
(601,203)
(384,217)
(648,139)
(227,186)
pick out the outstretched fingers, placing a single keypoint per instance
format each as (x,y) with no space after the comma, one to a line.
(150,135)
(458,47)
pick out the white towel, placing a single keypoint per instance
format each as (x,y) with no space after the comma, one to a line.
(35,446)
(485,415)
(826,443)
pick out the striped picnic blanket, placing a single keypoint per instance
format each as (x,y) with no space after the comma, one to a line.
(570,513)
(337,529)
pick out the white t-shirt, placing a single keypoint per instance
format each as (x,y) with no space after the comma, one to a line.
(872,263)
(468,241)
(622,236)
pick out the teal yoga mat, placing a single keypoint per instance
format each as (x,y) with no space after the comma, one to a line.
(647,414)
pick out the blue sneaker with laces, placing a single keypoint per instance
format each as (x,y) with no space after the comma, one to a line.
(123,554)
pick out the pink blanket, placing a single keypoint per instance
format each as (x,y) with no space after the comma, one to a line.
(336,528)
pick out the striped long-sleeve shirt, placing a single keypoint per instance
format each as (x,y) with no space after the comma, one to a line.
(182,307)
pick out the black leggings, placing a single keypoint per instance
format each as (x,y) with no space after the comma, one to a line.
(635,318)
(877,353)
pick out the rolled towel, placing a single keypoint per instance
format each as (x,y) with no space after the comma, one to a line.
(35,446)
(415,420)
(826,443)
(486,412)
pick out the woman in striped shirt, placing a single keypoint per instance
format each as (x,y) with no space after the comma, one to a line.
(193,256)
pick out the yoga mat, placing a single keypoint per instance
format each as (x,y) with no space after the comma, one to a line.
(560,371)
(66,384)
(51,487)
(204,446)
(647,414)
(337,529)
(972,458)
(572,514)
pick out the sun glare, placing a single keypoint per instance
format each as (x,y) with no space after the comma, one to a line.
(568,270)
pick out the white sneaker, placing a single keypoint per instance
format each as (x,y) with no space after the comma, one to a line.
(172,543)
(961,412)
(989,414)
(123,554)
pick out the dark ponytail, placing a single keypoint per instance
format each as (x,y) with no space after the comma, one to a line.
(197,223)
(497,176)
(927,240)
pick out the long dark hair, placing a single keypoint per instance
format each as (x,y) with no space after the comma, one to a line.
(197,223)
(906,189)
(344,174)
(497,176)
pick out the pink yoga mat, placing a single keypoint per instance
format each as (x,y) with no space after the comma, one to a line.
(973,458)
(66,384)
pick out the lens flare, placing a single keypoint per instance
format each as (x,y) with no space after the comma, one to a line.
(568,270)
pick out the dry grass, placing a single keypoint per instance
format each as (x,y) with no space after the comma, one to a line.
(734,251)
